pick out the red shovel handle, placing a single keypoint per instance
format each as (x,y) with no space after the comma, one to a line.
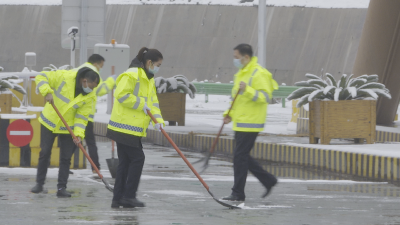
(179,152)
(79,145)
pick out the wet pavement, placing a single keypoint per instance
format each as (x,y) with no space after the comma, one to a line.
(174,196)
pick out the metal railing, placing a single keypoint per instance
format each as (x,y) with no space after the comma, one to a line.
(225,89)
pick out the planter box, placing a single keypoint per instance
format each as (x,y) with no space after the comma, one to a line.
(5,103)
(342,119)
(173,107)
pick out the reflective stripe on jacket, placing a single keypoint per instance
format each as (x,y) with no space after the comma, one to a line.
(61,84)
(249,112)
(133,90)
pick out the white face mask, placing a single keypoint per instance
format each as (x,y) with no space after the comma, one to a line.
(87,89)
(155,70)
(237,63)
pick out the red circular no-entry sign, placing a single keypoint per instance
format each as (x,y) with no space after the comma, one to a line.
(19,133)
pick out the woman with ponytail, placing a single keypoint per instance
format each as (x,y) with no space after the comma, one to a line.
(134,96)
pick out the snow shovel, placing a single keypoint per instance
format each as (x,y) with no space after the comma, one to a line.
(206,159)
(113,162)
(190,166)
(108,186)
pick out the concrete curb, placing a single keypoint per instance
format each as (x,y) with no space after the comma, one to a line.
(354,164)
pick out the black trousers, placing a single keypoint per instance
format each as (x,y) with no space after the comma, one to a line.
(129,171)
(91,143)
(67,147)
(242,162)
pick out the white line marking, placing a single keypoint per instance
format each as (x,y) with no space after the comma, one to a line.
(20,132)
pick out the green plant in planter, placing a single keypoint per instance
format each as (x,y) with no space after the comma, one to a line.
(52,67)
(346,88)
(10,82)
(177,83)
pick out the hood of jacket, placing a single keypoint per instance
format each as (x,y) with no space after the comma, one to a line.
(136,63)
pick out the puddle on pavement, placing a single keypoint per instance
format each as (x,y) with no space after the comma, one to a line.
(126,219)
(285,171)
(78,218)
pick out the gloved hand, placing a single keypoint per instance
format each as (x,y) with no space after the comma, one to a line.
(145,108)
(158,126)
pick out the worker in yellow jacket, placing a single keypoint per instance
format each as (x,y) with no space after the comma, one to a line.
(255,85)
(104,88)
(134,96)
(72,93)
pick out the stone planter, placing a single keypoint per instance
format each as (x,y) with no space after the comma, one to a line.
(173,107)
(342,119)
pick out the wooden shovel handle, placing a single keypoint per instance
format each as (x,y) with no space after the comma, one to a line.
(222,127)
(179,152)
(75,138)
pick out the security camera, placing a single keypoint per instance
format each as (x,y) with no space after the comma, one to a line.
(72,31)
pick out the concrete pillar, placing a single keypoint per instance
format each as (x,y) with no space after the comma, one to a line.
(379,53)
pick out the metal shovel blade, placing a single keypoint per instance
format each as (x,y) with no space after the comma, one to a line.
(108,185)
(112,166)
(224,203)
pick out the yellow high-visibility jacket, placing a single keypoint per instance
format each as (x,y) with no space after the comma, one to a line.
(103,88)
(249,111)
(133,90)
(61,84)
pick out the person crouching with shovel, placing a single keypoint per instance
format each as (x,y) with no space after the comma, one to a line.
(135,95)
(70,91)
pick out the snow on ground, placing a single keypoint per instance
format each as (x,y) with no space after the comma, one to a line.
(204,117)
(86,175)
(176,192)
(386,149)
(283,3)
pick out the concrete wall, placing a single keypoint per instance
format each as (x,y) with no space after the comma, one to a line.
(197,41)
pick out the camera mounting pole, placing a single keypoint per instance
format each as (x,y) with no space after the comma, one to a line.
(72,31)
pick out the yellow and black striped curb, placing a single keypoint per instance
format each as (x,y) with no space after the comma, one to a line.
(28,156)
(356,164)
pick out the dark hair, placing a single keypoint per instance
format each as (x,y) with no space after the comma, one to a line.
(145,54)
(92,76)
(96,58)
(244,49)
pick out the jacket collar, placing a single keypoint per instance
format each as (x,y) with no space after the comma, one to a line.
(250,65)
(136,63)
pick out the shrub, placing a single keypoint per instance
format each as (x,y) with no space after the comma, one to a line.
(346,88)
(177,83)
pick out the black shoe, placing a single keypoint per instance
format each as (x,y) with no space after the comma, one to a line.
(115,204)
(70,172)
(62,193)
(233,198)
(37,189)
(269,189)
(131,202)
